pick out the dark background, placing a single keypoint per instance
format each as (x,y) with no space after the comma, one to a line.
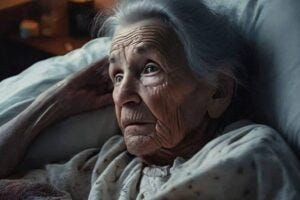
(72,31)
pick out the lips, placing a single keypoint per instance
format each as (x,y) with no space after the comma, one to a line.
(136,115)
(130,122)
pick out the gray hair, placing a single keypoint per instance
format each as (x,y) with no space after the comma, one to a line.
(211,44)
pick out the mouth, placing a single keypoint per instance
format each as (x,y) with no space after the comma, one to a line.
(137,124)
(137,128)
(128,123)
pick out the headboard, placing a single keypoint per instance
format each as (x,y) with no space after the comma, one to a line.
(272,27)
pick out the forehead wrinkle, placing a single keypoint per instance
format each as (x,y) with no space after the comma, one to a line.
(149,47)
(120,40)
(157,39)
(138,34)
(151,28)
(150,42)
(120,44)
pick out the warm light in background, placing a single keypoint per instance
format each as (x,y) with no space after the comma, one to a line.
(32,30)
(103,4)
(53,17)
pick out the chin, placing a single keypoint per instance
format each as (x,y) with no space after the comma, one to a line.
(139,139)
(140,145)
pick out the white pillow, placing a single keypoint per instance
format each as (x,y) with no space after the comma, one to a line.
(61,140)
(272,27)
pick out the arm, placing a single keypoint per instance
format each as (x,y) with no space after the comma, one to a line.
(86,90)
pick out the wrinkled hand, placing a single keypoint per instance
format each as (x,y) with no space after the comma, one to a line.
(87,89)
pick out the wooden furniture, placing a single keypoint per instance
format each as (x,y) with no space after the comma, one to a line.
(11,13)
(52,45)
(6,4)
(16,53)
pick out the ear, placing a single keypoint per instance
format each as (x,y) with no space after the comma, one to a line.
(221,97)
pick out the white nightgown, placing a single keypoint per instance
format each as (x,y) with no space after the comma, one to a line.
(245,162)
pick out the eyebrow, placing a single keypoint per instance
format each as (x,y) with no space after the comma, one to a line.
(139,50)
(148,46)
(142,49)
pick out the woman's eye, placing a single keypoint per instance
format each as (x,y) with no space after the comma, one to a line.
(118,78)
(150,68)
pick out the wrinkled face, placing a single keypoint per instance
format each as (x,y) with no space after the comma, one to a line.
(158,99)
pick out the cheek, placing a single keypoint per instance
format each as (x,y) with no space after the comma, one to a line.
(167,110)
(153,81)
(159,100)
(117,107)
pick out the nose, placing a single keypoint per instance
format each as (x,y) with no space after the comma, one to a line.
(127,92)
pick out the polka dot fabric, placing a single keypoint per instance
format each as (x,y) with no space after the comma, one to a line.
(245,162)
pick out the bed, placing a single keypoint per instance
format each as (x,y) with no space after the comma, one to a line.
(272,28)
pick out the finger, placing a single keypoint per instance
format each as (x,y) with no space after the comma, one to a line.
(91,73)
(100,89)
(99,67)
(98,64)
(98,74)
(103,100)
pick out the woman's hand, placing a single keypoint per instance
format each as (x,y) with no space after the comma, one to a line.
(88,89)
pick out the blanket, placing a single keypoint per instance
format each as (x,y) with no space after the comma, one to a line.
(244,162)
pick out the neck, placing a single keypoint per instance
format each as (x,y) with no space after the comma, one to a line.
(189,146)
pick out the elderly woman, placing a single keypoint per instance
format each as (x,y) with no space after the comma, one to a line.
(178,83)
